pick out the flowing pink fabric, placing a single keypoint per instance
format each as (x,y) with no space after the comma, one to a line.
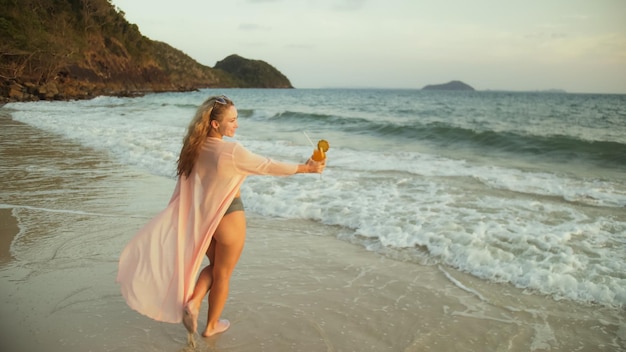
(157,269)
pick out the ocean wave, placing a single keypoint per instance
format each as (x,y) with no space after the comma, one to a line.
(554,147)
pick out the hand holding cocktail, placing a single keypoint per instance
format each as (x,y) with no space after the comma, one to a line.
(319,154)
(317,161)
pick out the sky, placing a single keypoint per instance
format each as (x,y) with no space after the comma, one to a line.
(574,45)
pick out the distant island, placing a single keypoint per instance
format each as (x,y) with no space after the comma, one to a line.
(452,85)
(69,49)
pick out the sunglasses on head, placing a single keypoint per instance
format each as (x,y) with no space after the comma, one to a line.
(222,99)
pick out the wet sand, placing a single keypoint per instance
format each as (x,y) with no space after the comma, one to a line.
(296,288)
(8,230)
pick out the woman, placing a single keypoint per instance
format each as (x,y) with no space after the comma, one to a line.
(157,269)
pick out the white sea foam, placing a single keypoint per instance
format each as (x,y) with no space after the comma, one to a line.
(550,232)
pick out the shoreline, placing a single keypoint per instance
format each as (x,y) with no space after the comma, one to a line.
(9,227)
(296,288)
(8,230)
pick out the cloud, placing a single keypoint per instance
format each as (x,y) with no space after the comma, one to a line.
(542,36)
(577,17)
(253,27)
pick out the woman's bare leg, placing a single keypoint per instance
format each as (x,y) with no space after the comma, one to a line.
(203,285)
(229,238)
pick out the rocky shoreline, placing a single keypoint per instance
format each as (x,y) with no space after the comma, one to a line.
(15,91)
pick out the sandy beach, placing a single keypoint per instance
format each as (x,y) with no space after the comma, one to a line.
(67,211)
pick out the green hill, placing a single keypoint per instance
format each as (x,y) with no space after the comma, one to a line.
(77,49)
(253,73)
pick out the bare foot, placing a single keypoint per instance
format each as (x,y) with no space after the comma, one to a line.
(190,340)
(190,319)
(221,326)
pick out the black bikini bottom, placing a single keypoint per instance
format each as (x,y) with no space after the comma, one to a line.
(236,205)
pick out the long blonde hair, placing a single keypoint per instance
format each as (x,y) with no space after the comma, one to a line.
(212,109)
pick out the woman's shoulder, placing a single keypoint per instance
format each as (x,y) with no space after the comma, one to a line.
(222,146)
(221,142)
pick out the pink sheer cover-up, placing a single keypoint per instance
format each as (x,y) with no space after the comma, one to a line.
(157,269)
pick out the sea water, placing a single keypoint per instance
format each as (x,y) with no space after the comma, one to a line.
(514,187)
